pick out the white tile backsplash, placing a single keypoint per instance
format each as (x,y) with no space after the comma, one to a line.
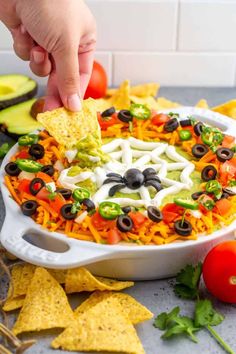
(176,69)
(174,42)
(144,25)
(207,26)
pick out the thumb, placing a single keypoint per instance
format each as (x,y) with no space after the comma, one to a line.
(67,70)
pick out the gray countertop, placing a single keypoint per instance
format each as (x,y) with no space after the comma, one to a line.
(158,295)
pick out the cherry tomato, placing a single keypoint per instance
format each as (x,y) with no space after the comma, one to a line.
(100,223)
(107,121)
(138,219)
(98,82)
(23,186)
(160,119)
(219,271)
(113,236)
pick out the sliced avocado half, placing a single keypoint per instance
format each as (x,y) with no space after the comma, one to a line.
(16,120)
(15,89)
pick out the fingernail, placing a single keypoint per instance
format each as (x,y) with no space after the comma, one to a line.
(23,29)
(74,103)
(38,57)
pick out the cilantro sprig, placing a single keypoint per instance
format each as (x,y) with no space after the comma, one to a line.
(205,316)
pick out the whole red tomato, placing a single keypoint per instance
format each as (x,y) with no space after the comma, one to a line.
(219,271)
(98,82)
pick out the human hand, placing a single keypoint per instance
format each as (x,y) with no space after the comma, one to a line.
(59,40)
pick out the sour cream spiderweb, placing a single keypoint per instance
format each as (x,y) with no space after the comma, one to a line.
(134,153)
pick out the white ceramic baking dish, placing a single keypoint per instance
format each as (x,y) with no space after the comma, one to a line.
(21,236)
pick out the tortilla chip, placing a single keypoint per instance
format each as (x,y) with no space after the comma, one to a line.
(135,311)
(202,104)
(58,274)
(103,104)
(67,127)
(143,90)
(14,304)
(163,103)
(149,101)
(121,99)
(45,306)
(227,108)
(102,328)
(80,279)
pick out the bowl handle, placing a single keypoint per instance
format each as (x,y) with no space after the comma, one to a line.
(51,251)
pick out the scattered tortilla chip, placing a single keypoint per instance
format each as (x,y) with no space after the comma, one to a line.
(80,279)
(45,306)
(149,101)
(67,127)
(163,103)
(227,108)
(103,104)
(102,328)
(202,104)
(121,99)
(143,90)
(135,311)
(58,274)
(14,304)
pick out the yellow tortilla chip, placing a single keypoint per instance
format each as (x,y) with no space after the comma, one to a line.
(68,128)
(135,311)
(163,103)
(102,328)
(149,101)
(121,99)
(202,104)
(14,304)
(227,108)
(45,306)
(143,90)
(80,279)
(103,104)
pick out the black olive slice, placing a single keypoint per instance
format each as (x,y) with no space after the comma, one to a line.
(196,195)
(126,209)
(108,112)
(224,195)
(36,185)
(89,204)
(149,171)
(208,173)
(66,193)
(153,178)
(37,151)
(133,178)
(154,184)
(223,154)
(229,192)
(66,212)
(183,227)
(125,116)
(48,169)
(124,223)
(114,189)
(154,214)
(171,125)
(29,207)
(113,179)
(113,174)
(199,150)
(198,128)
(12,169)
(185,123)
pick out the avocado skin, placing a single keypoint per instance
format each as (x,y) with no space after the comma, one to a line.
(25,97)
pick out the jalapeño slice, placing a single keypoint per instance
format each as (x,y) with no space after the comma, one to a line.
(109,210)
(27,140)
(28,165)
(79,194)
(140,111)
(186,203)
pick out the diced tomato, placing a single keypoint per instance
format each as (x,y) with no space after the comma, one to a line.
(228,171)
(199,140)
(223,206)
(160,119)
(46,178)
(43,194)
(23,154)
(169,216)
(171,212)
(100,223)
(113,236)
(228,142)
(57,202)
(138,219)
(190,128)
(23,186)
(107,121)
